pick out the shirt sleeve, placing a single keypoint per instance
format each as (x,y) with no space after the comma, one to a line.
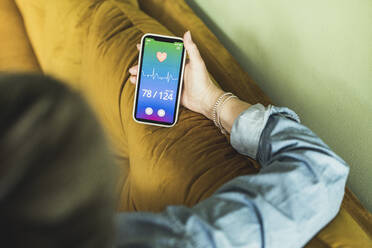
(297,192)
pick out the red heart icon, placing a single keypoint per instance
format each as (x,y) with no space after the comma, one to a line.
(161,56)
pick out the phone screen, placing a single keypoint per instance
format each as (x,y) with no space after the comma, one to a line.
(159,80)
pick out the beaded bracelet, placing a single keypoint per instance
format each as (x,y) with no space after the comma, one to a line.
(223,130)
(215,106)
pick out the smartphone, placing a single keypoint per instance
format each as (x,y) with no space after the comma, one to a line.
(159,80)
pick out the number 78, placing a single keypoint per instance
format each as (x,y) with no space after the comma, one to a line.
(146,93)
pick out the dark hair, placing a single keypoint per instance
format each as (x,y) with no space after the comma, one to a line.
(57,183)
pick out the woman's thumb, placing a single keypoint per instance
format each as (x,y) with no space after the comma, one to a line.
(191,48)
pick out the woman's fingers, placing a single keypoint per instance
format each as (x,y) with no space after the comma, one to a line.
(133,79)
(133,70)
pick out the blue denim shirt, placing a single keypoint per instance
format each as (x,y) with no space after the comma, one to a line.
(297,192)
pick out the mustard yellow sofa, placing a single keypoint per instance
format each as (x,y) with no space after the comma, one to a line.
(90,44)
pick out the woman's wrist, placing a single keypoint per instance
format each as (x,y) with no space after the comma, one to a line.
(210,100)
(230,111)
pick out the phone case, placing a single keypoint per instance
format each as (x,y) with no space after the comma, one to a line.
(180,87)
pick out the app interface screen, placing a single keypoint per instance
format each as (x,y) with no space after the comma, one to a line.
(159,80)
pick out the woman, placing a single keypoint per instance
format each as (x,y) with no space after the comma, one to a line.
(50,199)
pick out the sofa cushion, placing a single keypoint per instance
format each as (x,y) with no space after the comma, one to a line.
(57,30)
(16,53)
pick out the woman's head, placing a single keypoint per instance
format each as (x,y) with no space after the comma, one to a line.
(56,174)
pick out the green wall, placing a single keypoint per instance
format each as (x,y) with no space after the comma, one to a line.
(314,57)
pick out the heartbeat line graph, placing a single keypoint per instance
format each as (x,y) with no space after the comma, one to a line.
(155,75)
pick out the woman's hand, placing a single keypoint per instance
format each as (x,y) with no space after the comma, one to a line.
(199,94)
